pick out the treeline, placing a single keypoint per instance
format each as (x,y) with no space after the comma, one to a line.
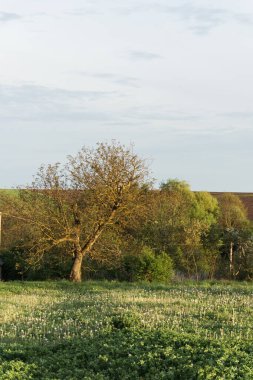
(99,217)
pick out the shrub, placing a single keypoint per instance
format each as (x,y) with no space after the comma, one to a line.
(123,321)
(14,267)
(148,267)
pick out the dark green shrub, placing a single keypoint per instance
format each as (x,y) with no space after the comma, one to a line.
(148,267)
(122,321)
(14,267)
(54,265)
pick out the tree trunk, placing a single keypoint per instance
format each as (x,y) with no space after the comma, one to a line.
(76,270)
(80,252)
(231,261)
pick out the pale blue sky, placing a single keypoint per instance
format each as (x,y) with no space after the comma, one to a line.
(172,76)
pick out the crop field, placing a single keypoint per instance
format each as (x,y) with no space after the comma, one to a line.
(103,330)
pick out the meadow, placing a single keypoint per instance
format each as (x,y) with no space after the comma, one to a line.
(110,330)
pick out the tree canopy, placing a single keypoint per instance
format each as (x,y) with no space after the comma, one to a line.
(73,204)
(98,215)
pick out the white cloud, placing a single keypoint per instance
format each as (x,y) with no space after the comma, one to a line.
(8,16)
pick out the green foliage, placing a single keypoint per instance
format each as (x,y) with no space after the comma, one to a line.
(206,208)
(236,234)
(233,214)
(148,267)
(125,320)
(189,231)
(54,265)
(16,370)
(175,184)
(111,331)
(178,222)
(132,355)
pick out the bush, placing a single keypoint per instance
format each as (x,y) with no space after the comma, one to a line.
(14,265)
(54,265)
(125,321)
(148,267)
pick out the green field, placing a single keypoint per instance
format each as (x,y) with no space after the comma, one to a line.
(102,330)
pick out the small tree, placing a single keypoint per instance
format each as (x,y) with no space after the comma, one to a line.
(233,221)
(72,205)
(178,220)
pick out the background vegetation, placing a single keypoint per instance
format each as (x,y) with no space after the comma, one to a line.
(176,233)
(98,217)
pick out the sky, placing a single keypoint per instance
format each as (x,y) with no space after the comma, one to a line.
(173,77)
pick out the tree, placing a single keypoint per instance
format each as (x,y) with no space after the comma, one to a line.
(233,221)
(178,219)
(73,204)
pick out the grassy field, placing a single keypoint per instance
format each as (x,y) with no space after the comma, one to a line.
(102,330)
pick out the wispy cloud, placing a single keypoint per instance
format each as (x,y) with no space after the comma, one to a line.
(112,78)
(246,115)
(159,113)
(199,19)
(89,10)
(33,103)
(36,103)
(243,18)
(143,55)
(7,16)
